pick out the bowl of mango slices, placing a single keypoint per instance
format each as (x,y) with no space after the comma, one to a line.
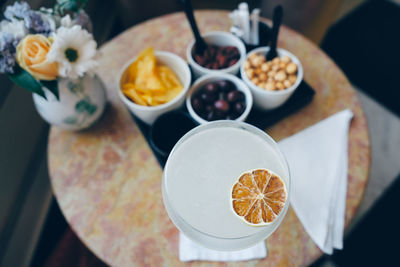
(154,83)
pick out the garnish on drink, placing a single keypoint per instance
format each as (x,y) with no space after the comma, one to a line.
(258,197)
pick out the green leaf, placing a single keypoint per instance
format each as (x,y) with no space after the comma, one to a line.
(65,6)
(71,6)
(85,105)
(26,81)
(81,106)
(53,87)
(91,109)
(70,120)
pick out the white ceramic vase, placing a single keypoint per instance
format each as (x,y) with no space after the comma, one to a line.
(81,103)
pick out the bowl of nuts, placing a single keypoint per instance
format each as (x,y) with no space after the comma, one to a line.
(271,82)
(219,96)
(225,53)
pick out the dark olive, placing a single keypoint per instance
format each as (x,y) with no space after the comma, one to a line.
(221,105)
(207,97)
(209,108)
(211,88)
(239,107)
(197,105)
(235,96)
(223,96)
(225,85)
(211,116)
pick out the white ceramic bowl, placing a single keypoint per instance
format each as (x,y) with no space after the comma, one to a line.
(213,77)
(267,100)
(219,39)
(150,114)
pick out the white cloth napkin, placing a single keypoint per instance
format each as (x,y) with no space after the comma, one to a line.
(317,158)
(190,251)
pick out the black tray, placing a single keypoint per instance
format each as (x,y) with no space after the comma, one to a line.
(261,119)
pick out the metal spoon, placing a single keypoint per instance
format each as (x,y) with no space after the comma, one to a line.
(200,45)
(276,20)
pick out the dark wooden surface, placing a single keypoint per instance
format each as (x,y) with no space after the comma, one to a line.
(365,44)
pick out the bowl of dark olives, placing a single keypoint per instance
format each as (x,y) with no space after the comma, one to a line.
(219,96)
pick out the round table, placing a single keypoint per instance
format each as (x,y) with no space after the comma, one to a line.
(108,183)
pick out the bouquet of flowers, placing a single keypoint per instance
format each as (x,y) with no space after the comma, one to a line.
(37,47)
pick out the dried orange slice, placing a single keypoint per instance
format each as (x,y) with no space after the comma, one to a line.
(258,197)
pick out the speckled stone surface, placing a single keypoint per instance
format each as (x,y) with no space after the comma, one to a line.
(108,183)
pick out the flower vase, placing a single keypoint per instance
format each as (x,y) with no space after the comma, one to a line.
(81,102)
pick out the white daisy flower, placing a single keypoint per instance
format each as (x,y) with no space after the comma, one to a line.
(15,28)
(74,50)
(66,21)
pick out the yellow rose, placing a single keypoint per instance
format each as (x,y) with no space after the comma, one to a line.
(32,57)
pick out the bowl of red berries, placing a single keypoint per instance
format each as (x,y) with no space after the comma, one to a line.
(219,96)
(224,53)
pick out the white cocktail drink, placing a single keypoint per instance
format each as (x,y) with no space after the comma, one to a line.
(198,180)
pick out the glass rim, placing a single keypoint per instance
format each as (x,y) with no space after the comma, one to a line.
(239,125)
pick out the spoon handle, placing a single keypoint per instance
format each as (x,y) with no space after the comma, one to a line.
(276,20)
(187,7)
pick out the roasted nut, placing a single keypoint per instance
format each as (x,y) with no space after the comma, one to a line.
(271,73)
(285,59)
(252,56)
(258,71)
(257,61)
(254,80)
(280,86)
(264,67)
(291,68)
(263,76)
(265,86)
(280,76)
(247,65)
(270,86)
(275,67)
(253,62)
(250,73)
(287,83)
(292,78)
(275,60)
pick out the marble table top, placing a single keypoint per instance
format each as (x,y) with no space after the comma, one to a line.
(108,183)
